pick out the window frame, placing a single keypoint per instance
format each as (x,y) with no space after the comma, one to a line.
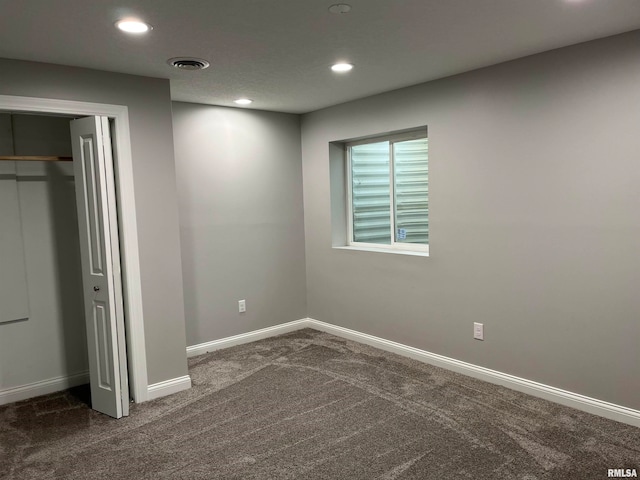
(393,246)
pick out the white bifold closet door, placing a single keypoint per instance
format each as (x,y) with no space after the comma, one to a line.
(101,276)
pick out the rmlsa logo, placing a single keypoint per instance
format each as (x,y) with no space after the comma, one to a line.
(622,472)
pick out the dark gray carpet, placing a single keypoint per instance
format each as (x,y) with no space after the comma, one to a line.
(309,405)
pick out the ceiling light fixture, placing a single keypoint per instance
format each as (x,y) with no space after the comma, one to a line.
(243,101)
(133,26)
(341,67)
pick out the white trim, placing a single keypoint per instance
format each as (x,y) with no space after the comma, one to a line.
(393,205)
(134,315)
(349,190)
(368,247)
(243,338)
(557,395)
(168,387)
(563,397)
(43,387)
(137,359)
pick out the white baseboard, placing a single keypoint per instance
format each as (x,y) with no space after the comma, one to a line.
(44,387)
(557,395)
(227,342)
(174,385)
(563,397)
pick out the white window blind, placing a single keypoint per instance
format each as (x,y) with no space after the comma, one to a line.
(411,191)
(371,192)
(389,192)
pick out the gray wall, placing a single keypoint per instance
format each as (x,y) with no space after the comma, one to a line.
(149,106)
(241,219)
(534,199)
(14,304)
(51,341)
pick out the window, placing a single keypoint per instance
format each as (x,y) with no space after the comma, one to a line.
(388,192)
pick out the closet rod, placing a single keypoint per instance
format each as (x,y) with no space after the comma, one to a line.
(36,158)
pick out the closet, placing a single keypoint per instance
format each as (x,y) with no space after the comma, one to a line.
(43,342)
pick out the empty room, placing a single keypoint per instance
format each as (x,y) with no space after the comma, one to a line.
(301,239)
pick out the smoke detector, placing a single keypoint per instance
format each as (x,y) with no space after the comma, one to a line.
(339,8)
(188,63)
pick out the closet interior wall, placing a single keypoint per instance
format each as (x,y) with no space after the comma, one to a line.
(50,343)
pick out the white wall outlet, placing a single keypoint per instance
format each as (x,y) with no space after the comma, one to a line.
(242,306)
(478,331)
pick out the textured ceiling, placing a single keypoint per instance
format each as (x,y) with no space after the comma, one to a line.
(278,52)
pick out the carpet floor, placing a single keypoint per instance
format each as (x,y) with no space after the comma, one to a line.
(309,405)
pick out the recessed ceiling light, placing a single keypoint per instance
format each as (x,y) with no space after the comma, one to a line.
(341,67)
(243,101)
(340,8)
(133,26)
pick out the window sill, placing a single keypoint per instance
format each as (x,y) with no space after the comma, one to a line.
(415,253)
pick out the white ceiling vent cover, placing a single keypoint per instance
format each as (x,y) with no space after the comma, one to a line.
(188,63)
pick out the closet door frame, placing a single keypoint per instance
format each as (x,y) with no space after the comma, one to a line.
(122,165)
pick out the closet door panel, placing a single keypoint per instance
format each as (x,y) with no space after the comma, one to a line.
(14,301)
(92,154)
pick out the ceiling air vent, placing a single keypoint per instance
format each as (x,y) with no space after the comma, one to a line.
(188,63)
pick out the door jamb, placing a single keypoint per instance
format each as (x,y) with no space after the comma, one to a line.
(128,232)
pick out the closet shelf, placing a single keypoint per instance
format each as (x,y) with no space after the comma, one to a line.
(36,158)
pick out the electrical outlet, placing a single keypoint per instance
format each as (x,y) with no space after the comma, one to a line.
(478,331)
(242,306)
